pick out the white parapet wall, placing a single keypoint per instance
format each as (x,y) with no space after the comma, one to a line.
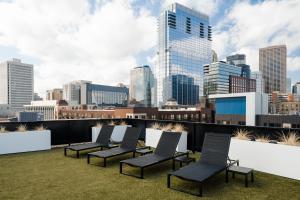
(116,136)
(153,135)
(16,142)
(277,159)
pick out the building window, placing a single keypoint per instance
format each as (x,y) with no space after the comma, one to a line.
(188,25)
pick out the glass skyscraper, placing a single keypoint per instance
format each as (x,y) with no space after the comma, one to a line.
(141,84)
(184,46)
(217,76)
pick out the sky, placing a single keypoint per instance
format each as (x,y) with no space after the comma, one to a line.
(101,40)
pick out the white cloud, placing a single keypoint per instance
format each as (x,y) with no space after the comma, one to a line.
(247,27)
(208,7)
(73,43)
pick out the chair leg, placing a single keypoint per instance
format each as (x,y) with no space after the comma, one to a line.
(246,180)
(169,181)
(226,176)
(173,164)
(252,177)
(77,154)
(88,159)
(104,162)
(65,151)
(200,190)
(133,154)
(142,172)
(121,165)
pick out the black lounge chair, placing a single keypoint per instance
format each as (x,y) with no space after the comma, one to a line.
(213,160)
(128,145)
(165,150)
(103,141)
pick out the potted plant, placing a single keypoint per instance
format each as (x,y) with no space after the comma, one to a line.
(153,135)
(24,140)
(280,159)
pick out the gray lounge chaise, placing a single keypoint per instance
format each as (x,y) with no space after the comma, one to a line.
(128,145)
(165,150)
(213,160)
(103,141)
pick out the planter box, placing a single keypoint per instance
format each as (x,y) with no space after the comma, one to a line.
(278,159)
(15,142)
(116,136)
(153,135)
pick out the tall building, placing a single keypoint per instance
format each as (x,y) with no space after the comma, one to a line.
(272,63)
(240,84)
(71,92)
(296,88)
(16,84)
(103,95)
(217,77)
(240,60)
(141,84)
(258,77)
(37,97)
(184,46)
(214,56)
(55,94)
(288,85)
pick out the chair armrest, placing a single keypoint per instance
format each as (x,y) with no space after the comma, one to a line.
(141,148)
(178,154)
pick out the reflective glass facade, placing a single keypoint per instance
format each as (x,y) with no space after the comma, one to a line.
(217,76)
(184,46)
(141,83)
(103,95)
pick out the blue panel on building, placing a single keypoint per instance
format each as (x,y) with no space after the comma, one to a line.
(231,106)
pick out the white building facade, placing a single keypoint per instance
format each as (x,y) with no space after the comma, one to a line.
(258,76)
(48,108)
(240,108)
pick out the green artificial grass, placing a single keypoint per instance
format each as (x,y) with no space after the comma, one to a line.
(50,175)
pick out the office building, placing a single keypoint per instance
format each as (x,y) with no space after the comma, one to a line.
(288,85)
(236,59)
(240,84)
(289,108)
(214,56)
(16,84)
(30,116)
(36,97)
(141,85)
(272,64)
(6,111)
(184,46)
(239,108)
(72,93)
(296,88)
(240,60)
(47,108)
(259,81)
(280,121)
(55,94)
(103,95)
(217,77)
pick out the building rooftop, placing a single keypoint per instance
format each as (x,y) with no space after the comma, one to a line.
(50,175)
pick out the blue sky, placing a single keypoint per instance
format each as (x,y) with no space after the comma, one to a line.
(101,40)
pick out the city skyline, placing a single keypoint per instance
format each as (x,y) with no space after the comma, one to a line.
(62,48)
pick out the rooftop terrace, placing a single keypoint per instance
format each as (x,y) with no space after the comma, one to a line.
(51,175)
